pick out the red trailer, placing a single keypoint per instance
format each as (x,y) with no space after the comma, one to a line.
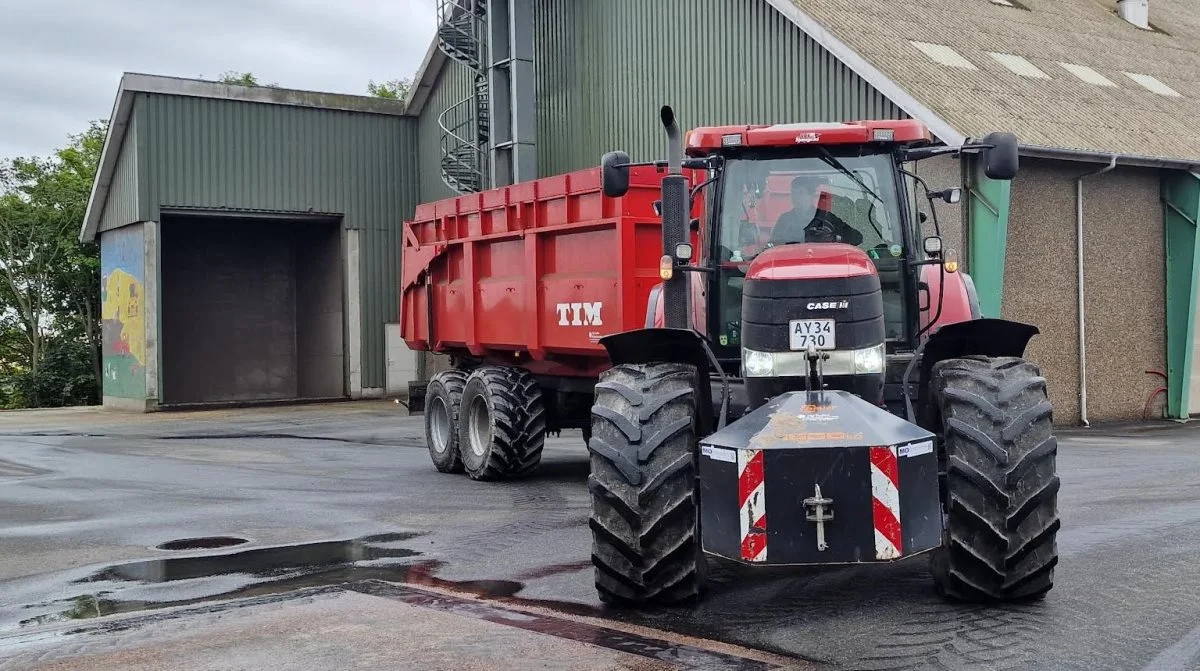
(534,273)
(531,275)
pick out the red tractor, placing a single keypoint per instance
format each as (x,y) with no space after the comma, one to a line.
(767,364)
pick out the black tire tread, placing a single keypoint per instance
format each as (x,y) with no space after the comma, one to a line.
(452,381)
(518,418)
(1002,500)
(645,543)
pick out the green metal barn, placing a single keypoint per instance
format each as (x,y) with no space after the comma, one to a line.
(250,236)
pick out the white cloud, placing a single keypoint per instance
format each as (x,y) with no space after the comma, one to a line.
(61,60)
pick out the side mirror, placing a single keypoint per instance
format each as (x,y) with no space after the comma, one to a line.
(951,196)
(614,174)
(1001,161)
(933,246)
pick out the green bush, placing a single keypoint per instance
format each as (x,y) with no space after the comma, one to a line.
(64,378)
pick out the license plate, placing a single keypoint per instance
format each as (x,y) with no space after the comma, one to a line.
(816,333)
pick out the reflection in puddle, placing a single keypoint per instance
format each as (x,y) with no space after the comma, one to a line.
(265,571)
(261,562)
(173,581)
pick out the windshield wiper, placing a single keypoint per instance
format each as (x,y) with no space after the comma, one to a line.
(837,165)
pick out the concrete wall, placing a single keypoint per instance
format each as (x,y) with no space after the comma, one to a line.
(1124,284)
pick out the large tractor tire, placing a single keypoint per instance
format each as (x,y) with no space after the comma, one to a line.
(644,520)
(443,399)
(503,423)
(1001,496)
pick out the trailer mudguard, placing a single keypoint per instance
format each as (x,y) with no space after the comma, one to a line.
(663,345)
(973,337)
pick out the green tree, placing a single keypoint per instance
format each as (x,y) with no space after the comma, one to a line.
(395,89)
(49,282)
(242,79)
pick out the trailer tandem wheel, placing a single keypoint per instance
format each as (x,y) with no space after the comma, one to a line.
(644,520)
(443,400)
(503,423)
(1001,503)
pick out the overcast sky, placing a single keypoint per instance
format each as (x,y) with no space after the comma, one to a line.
(61,60)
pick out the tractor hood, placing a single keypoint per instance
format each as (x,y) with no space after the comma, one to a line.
(811,261)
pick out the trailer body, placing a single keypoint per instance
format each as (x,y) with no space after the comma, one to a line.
(533,274)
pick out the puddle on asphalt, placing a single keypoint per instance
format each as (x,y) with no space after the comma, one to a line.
(172,581)
(182,580)
(205,543)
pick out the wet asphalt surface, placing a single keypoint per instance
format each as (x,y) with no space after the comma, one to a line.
(345,494)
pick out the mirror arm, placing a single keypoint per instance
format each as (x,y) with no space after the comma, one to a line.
(692,163)
(937,225)
(701,186)
(937,229)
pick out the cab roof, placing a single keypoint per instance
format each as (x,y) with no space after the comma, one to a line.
(712,138)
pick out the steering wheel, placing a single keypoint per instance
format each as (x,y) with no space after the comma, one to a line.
(819,230)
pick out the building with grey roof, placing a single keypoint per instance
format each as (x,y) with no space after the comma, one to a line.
(1094,242)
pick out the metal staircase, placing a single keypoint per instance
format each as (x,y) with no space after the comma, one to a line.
(465,125)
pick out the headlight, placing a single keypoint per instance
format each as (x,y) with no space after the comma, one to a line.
(870,360)
(757,364)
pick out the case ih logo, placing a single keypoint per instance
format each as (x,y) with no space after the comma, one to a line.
(579,314)
(829,305)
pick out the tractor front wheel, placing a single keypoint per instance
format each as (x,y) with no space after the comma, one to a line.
(644,520)
(1001,494)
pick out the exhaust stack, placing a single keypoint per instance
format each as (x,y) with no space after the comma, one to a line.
(1136,12)
(675,208)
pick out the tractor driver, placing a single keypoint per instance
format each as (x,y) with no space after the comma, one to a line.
(811,218)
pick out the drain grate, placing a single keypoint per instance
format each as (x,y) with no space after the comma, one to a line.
(206,543)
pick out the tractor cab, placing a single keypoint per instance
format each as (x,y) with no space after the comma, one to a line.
(809,241)
(775,192)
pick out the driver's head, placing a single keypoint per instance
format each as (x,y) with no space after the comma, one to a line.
(804,190)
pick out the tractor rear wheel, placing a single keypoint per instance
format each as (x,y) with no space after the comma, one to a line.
(1001,495)
(644,520)
(443,398)
(502,427)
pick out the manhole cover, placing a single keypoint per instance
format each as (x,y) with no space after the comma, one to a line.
(206,543)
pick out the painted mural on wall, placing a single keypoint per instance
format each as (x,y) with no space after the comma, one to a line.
(122,297)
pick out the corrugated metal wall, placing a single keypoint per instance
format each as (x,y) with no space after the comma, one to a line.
(229,155)
(121,208)
(605,68)
(253,156)
(455,83)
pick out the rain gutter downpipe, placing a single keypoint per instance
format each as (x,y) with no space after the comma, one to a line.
(1083,417)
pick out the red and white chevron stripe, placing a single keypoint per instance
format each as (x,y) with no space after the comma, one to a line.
(753,504)
(885,492)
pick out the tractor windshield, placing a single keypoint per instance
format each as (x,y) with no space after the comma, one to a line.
(767,202)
